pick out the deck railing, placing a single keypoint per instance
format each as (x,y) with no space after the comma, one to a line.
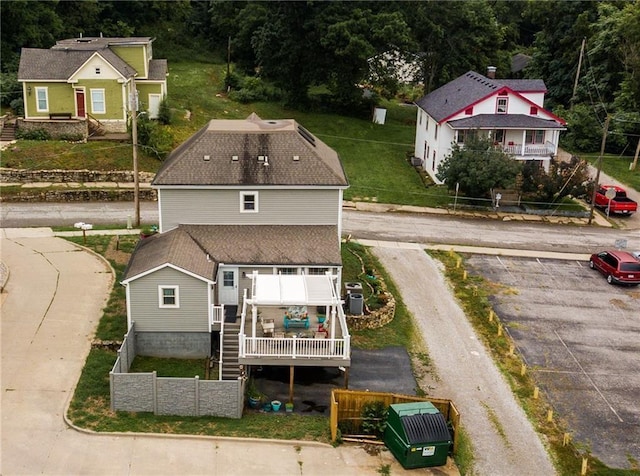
(294,347)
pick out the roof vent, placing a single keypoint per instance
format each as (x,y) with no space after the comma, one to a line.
(296,158)
(234,158)
(307,135)
(206,158)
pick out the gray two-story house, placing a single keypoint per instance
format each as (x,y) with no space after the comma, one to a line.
(246,267)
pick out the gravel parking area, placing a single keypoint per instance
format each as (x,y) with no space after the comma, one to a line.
(581,337)
(504,441)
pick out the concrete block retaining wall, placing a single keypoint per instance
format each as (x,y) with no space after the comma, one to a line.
(146,392)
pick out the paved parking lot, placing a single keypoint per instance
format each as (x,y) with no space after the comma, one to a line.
(581,337)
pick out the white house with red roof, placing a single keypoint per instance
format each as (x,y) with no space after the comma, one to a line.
(509,111)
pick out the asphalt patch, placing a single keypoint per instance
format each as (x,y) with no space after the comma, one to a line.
(381,370)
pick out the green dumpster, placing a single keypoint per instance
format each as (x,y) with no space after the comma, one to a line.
(417,435)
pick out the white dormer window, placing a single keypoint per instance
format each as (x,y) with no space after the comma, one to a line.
(248,202)
(98,71)
(501,105)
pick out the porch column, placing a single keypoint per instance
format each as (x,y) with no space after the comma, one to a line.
(333,322)
(524,138)
(254,319)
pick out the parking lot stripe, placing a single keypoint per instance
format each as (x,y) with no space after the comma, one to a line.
(588,377)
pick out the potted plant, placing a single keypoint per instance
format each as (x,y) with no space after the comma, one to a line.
(288,407)
(253,394)
(275,405)
(147,231)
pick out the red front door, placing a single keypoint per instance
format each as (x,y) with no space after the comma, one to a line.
(80,103)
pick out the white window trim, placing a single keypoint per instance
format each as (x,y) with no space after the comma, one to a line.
(104,101)
(280,270)
(161,303)
(242,202)
(506,105)
(46,98)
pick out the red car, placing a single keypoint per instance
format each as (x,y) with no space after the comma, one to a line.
(618,266)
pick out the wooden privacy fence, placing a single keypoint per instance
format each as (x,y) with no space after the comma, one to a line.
(347,405)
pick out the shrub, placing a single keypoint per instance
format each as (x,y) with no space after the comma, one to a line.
(374,418)
(17,106)
(164,113)
(35,134)
(11,90)
(153,137)
(254,89)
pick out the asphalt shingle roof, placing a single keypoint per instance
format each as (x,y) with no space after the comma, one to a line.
(467,89)
(158,69)
(175,247)
(96,43)
(294,156)
(200,248)
(58,64)
(505,121)
(66,56)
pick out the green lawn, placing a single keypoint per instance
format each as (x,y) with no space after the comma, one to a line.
(374,156)
(617,167)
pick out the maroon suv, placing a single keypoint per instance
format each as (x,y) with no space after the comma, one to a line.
(618,266)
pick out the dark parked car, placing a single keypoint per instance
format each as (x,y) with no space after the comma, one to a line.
(618,266)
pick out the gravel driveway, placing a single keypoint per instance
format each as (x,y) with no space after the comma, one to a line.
(504,441)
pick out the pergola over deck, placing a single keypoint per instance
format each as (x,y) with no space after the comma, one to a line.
(273,291)
(283,291)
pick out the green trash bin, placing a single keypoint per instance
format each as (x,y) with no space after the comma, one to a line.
(417,435)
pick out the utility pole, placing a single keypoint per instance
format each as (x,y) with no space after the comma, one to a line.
(597,181)
(228,63)
(635,157)
(133,106)
(575,84)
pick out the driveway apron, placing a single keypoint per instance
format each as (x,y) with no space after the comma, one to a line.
(467,374)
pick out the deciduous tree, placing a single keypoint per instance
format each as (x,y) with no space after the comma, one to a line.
(478,167)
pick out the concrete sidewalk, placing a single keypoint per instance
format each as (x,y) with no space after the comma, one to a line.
(598,218)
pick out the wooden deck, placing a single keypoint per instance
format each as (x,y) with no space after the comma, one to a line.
(274,344)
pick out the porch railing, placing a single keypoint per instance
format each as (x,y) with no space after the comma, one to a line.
(294,347)
(539,150)
(216,316)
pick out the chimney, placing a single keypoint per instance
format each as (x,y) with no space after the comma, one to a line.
(491,72)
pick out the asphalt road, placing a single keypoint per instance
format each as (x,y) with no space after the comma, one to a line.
(403,227)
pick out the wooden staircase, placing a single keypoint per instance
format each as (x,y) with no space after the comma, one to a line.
(230,351)
(96,128)
(8,132)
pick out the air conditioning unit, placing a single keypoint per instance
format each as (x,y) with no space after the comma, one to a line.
(415,161)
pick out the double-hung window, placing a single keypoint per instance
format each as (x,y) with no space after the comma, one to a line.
(42,100)
(98,104)
(248,202)
(501,105)
(168,296)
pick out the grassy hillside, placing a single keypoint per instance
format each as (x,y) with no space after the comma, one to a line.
(374,156)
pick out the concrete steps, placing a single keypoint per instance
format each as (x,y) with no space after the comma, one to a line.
(8,132)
